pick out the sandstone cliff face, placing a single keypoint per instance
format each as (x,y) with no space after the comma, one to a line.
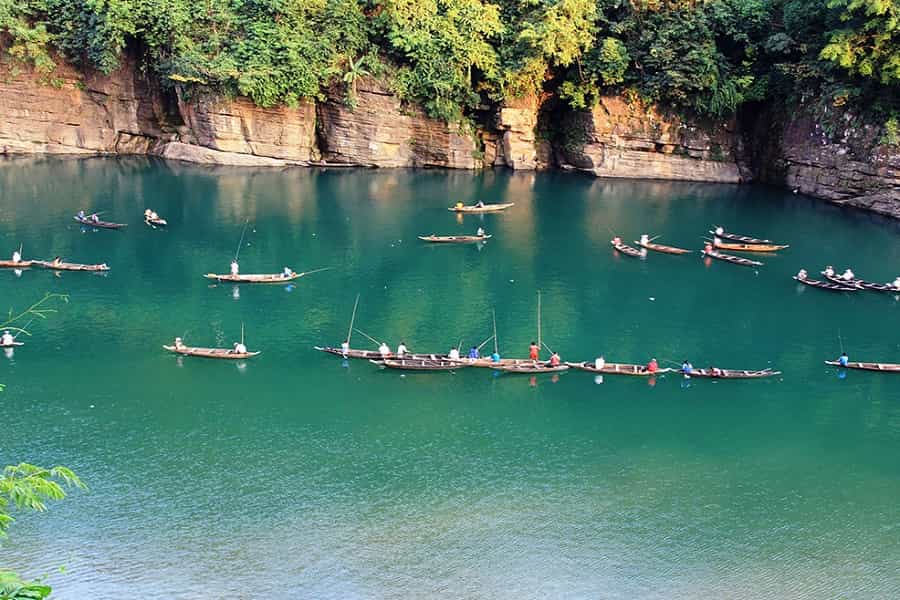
(833,156)
(627,139)
(380,131)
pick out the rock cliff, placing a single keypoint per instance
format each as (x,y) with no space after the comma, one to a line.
(628,139)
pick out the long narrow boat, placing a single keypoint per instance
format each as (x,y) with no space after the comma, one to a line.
(826,285)
(487,208)
(420,364)
(617,369)
(253,278)
(64,266)
(736,247)
(737,260)
(626,249)
(861,284)
(531,367)
(221,353)
(454,239)
(662,248)
(99,224)
(374,355)
(740,238)
(486,362)
(867,366)
(732,374)
(22,264)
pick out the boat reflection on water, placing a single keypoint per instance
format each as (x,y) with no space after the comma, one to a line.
(9,352)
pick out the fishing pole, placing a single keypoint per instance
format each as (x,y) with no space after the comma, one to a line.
(496,341)
(371,339)
(352,318)
(241,241)
(481,345)
(304,273)
(840,341)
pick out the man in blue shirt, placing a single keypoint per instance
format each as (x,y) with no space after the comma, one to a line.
(473,353)
(844,359)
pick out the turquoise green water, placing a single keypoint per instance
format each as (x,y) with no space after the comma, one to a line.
(299,476)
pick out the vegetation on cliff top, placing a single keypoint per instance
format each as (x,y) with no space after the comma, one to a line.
(706,57)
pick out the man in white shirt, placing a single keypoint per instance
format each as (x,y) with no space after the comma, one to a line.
(454,354)
(345,347)
(401,350)
(234,267)
(7,339)
(240,348)
(384,349)
(599,363)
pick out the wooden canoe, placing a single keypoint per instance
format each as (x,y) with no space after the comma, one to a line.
(733,374)
(454,239)
(866,366)
(12,345)
(736,247)
(826,285)
(487,208)
(99,224)
(737,260)
(251,278)
(627,250)
(531,367)
(64,266)
(485,362)
(22,264)
(374,355)
(156,222)
(222,353)
(617,369)
(861,284)
(662,248)
(420,364)
(741,238)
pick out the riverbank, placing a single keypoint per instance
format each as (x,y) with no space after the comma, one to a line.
(84,112)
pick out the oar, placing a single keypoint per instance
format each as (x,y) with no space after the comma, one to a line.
(237,252)
(352,318)
(304,273)
(371,339)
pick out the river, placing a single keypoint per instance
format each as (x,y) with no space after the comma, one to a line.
(298,476)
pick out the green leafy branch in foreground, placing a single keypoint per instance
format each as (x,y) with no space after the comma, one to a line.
(29,487)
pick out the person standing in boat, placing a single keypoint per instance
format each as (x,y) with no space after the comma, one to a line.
(686,367)
(179,344)
(848,275)
(384,350)
(495,357)
(652,366)
(454,353)
(402,350)
(802,275)
(533,352)
(599,363)
(345,347)
(240,348)
(16,256)
(645,239)
(480,232)
(829,271)
(7,339)
(897,283)
(719,231)
(235,269)
(843,359)
(473,353)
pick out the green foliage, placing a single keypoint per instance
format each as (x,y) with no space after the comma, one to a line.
(868,43)
(13,588)
(891,134)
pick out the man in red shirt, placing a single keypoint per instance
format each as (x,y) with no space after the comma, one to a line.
(652,366)
(533,351)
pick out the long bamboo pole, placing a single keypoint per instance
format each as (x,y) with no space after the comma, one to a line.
(352,318)
(496,342)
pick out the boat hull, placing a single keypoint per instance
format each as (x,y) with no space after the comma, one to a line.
(618,369)
(735,247)
(100,224)
(418,364)
(218,353)
(252,278)
(864,366)
(732,374)
(22,264)
(63,266)
(735,260)
(454,239)
(663,248)
(826,285)
(487,208)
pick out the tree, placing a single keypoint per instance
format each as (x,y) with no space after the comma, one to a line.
(869,43)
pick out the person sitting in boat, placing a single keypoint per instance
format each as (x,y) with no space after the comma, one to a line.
(829,271)
(17,256)
(687,367)
(345,347)
(801,275)
(240,348)
(843,359)
(95,218)
(848,275)
(707,248)
(459,205)
(652,366)
(384,349)
(645,239)
(473,353)
(599,362)
(179,344)
(453,354)
(287,273)
(480,232)
(80,215)
(616,241)
(479,204)
(533,351)
(719,231)
(715,371)
(56,261)
(7,339)
(235,269)
(555,360)
(402,350)
(896,283)
(148,214)
(495,357)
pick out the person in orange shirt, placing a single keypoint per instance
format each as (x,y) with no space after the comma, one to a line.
(533,351)
(652,366)
(554,360)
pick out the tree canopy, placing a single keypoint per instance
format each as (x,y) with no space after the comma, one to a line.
(706,57)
